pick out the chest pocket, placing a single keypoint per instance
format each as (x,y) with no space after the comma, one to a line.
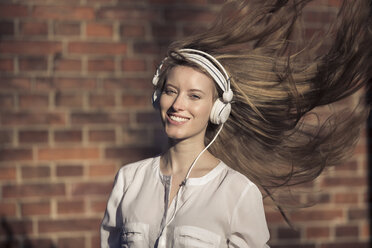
(135,235)
(195,237)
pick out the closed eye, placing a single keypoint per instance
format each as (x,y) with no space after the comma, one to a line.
(195,97)
(169,91)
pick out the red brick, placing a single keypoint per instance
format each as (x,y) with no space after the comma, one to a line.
(130,154)
(35,208)
(33,101)
(65,84)
(68,100)
(6,65)
(6,28)
(71,242)
(317,215)
(132,30)
(357,214)
(344,198)
(29,119)
(347,231)
(70,207)
(127,13)
(98,206)
(99,30)
(344,244)
(102,170)
(286,233)
(99,118)
(102,100)
(63,13)
(67,28)
(95,240)
(322,198)
(8,173)
(98,65)
(34,28)
(189,15)
(102,135)
(33,190)
(148,117)
(96,48)
(33,64)
(91,188)
(38,242)
(15,154)
(6,101)
(127,83)
(13,10)
(68,136)
(69,171)
(163,31)
(295,245)
(133,136)
(135,101)
(345,181)
(146,48)
(134,65)
(349,166)
(6,136)
(69,225)
(274,217)
(32,172)
(68,153)
(67,65)
(33,136)
(30,47)
(8,209)
(15,83)
(317,232)
(18,227)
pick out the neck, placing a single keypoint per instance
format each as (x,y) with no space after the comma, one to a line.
(180,156)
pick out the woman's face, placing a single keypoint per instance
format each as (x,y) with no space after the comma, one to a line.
(186,103)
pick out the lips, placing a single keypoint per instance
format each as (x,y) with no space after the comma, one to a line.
(177,119)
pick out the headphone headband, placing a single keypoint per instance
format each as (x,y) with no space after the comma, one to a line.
(214,68)
(221,108)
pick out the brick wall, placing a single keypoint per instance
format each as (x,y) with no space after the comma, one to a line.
(74,107)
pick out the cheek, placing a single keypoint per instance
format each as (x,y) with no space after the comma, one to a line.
(204,111)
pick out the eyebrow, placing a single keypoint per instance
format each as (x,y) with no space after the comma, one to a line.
(191,90)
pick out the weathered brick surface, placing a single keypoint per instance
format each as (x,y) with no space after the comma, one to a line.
(75,87)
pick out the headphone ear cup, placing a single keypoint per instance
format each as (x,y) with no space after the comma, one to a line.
(220,112)
(155,99)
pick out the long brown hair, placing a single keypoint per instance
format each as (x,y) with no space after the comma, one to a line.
(278,80)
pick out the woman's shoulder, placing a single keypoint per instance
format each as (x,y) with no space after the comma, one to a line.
(237,180)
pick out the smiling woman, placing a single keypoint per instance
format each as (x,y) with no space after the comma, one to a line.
(243,89)
(186,103)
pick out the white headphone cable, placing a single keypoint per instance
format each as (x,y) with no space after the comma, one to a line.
(188,173)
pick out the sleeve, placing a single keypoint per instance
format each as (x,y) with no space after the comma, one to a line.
(112,222)
(248,223)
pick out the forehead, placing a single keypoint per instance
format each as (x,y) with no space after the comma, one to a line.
(189,77)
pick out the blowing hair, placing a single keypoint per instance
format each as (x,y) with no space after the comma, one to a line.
(278,81)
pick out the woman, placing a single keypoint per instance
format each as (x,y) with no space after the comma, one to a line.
(246,64)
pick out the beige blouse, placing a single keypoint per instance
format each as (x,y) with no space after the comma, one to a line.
(221,209)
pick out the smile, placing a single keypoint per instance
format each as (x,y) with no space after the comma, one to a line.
(178,119)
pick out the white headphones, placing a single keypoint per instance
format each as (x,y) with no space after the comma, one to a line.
(221,108)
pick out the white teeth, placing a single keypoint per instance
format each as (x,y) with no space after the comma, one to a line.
(177,118)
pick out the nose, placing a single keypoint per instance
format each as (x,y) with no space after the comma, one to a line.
(179,103)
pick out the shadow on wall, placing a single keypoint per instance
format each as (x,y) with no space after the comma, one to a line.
(10,231)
